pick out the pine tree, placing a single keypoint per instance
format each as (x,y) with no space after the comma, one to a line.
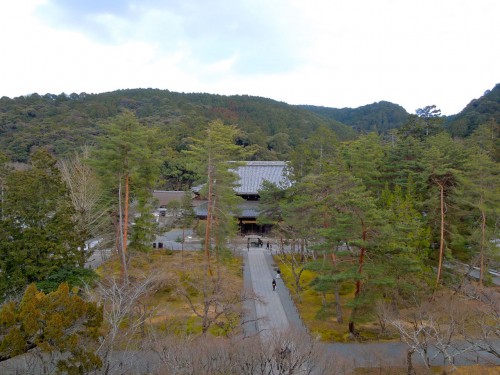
(310,156)
(402,244)
(481,191)
(368,169)
(214,158)
(444,161)
(126,158)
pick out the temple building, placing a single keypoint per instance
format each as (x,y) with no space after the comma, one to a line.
(252,175)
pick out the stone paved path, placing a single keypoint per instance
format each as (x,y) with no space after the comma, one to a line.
(269,311)
(276,311)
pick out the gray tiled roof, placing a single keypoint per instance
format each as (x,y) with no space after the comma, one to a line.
(247,209)
(254,173)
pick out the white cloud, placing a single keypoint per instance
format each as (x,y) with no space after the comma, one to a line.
(327,52)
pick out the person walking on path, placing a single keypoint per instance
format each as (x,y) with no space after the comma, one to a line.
(274,285)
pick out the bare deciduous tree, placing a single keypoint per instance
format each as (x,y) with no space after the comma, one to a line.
(214,299)
(122,311)
(288,353)
(437,325)
(87,198)
(485,335)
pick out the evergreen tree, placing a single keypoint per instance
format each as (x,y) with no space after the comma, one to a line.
(331,208)
(403,244)
(368,169)
(444,162)
(271,198)
(59,323)
(404,163)
(37,235)
(4,171)
(310,156)
(126,158)
(482,193)
(426,122)
(213,157)
(487,137)
(431,117)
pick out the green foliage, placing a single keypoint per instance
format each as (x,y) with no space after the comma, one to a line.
(404,165)
(271,196)
(64,122)
(368,169)
(487,138)
(320,148)
(480,189)
(127,158)
(478,112)
(75,277)
(212,156)
(377,117)
(37,234)
(60,322)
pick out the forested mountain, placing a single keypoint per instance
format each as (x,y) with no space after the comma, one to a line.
(382,116)
(480,111)
(64,122)
(377,117)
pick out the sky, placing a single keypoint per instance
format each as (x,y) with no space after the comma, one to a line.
(332,53)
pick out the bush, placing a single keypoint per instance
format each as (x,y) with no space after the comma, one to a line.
(73,276)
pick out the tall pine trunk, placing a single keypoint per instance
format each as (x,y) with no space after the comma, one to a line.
(441,235)
(208,234)
(340,318)
(123,250)
(125,215)
(338,306)
(361,261)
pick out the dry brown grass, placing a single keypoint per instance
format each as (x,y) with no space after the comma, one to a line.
(168,309)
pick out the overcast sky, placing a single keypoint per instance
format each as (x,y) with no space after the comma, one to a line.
(334,53)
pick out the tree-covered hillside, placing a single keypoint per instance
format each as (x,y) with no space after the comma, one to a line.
(377,117)
(480,111)
(64,122)
(383,116)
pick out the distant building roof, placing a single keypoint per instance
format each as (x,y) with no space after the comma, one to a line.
(254,173)
(165,196)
